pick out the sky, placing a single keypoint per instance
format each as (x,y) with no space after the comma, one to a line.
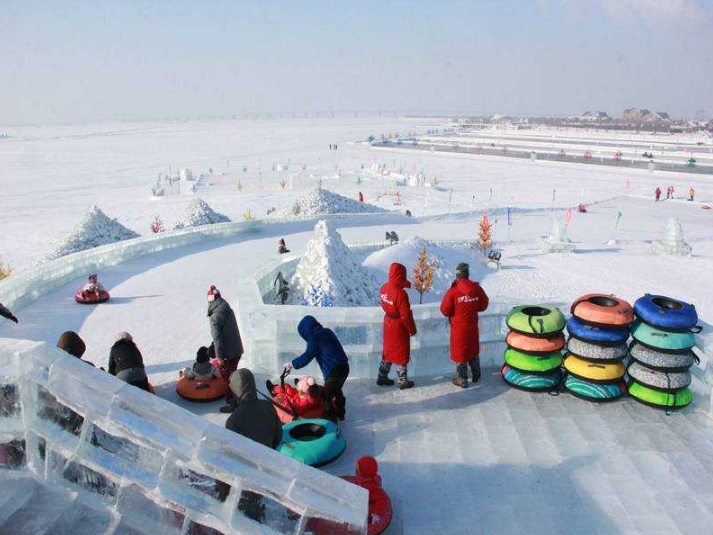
(92,60)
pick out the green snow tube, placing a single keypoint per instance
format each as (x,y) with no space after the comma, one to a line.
(533,363)
(662,340)
(536,320)
(533,382)
(658,398)
(315,442)
(598,392)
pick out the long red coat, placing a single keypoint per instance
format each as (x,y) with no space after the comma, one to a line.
(398,320)
(461,305)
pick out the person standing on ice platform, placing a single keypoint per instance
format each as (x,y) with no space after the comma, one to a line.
(227,343)
(461,305)
(324,347)
(399,326)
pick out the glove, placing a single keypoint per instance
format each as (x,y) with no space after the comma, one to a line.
(288,366)
(13,318)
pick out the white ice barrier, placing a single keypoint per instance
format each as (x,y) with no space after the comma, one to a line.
(82,452)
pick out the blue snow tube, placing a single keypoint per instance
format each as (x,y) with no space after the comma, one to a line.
(595,334)
(666,313)
(315,442)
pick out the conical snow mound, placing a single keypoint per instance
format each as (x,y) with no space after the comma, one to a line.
(199,213)
(329,275)
(321,201)
(95,229)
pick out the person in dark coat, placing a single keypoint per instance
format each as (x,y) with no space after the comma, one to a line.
(5,313)
(399,326)
(281,247)
(324,347)
(461,305)
(227,343)
(72,343)
(126,362)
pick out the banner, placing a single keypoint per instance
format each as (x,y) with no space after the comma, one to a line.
(568,217)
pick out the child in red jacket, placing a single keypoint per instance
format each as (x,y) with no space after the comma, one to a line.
(306,396)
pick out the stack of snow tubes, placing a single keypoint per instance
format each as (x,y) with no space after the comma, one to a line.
(597,344)
(661,354)
(533,358)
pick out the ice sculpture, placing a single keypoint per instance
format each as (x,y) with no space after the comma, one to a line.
(673,242)
(557,241)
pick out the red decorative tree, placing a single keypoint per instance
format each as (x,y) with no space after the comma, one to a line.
(423,273)
(561,153)
(283,183)
(617,156)
(485,234)
(156,225)
(587,155)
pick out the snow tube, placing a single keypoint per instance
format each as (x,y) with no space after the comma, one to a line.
(665,313)
(599,392)
(597,372)
(91,299)
(660,360)
(658,380)
(533,382)
(201,391)
(663,340)
(603,310)
(595,334)
(533,363)
(658,399)
(596,352)
(535,320)
(315,442)
(286,416)
(533,344)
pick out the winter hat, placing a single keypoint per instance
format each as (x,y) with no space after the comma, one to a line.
(462,271)
(202,354)
(93,277)
(70,342)
(213,293)
(367,466)
(123,335)
(304,384)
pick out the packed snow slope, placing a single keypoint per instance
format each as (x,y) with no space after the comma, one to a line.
(321,201)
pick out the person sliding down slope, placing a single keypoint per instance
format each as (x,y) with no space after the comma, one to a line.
(93,286)
(398,328)
(461,305)
(324,347)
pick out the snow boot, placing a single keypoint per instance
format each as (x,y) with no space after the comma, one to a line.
(385,381)
(269,386)
(460,381)
(406,384)
(475,369)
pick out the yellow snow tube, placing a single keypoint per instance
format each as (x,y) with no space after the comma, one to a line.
(594,371)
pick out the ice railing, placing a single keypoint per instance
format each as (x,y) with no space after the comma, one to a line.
(151,465)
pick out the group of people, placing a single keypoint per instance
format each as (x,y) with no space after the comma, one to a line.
(670,192)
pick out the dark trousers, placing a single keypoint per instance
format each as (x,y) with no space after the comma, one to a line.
(473,364)
(333,397)
(230,366)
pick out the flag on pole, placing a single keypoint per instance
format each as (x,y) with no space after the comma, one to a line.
(568,217)
(509,217)
(554,194)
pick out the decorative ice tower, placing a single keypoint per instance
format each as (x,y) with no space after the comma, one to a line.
(557,241)
(673,242)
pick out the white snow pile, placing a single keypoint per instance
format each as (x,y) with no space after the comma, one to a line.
(446,258)
(199,213)
(321,201)
(94,229)
(329,275)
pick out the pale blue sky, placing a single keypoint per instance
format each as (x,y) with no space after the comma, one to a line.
(78,61)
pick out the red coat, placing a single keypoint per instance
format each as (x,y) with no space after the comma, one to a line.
(461,305)
(294,399)
(398,319)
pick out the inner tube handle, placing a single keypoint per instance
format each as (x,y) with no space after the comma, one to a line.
(696,329)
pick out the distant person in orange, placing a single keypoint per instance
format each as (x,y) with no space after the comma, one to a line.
(691,194)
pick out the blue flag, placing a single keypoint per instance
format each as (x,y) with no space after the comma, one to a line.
(509,217)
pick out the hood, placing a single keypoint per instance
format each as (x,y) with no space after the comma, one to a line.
(466,286)
(242,384)
(308,327)
(72,344)
(397,275)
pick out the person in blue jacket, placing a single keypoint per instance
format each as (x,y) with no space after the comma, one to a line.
(324,347)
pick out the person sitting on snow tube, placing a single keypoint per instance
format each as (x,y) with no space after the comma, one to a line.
(126,362)
(93,288)
(305,401)
(202,369)
(203,381)
(71,343)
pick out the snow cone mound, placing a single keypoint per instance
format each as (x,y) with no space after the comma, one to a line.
(95,229)
(329,275)
(321,201)
(445,258)
(199,213)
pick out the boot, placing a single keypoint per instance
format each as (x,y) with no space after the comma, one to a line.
(475,370)
(385,381)
(406,384)
(460,381)
(269,386)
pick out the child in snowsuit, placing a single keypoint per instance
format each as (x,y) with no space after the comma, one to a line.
(657,194)
(281,247)
(306,396)
(93,286)
(461,305)
(399,326)
(202,369)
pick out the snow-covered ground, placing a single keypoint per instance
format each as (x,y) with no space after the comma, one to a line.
(488,459)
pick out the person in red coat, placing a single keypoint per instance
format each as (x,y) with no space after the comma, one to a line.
(461,305)
(398,327)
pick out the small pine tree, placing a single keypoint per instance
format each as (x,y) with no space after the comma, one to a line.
(485,234)
(423,274)
(435,181)
(296,208)
(156,225)
(283,183)
(248,215)
(5,270)
(239,186)
(359,180)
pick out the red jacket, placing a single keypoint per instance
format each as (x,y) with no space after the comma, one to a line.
(398,321)
(461,305)
(294,399)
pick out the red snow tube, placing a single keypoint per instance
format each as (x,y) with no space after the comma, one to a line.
(286,417)
(91,298)
(201,391)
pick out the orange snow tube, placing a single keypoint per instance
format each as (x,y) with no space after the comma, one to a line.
(531,344)
(602,309)
(200,390)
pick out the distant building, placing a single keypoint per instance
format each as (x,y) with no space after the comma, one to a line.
(643,115)
(594,116)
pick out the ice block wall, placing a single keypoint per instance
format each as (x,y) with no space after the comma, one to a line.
(114,459)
